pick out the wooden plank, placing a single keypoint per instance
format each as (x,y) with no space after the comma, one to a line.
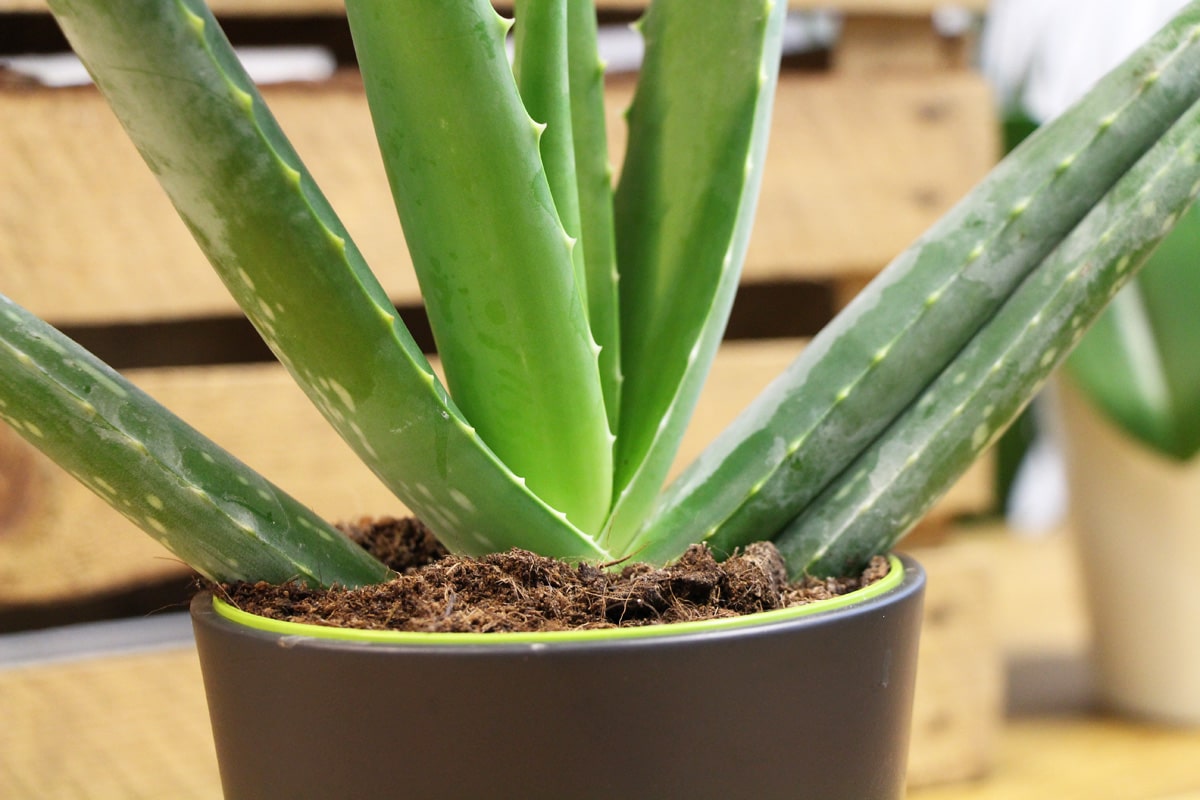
(58,540)
(337,7)
(857,169)
(958,707)
(129,257)
(1053,757)
(131,726)
(879,43)
(1052,580)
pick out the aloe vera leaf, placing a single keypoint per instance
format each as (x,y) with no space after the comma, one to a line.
(540,66)
(867,365)
(684,207)
(208,508)
(594,176)
(175,84)
(1138,363)
(892,483)
(491,254)
(1121,367)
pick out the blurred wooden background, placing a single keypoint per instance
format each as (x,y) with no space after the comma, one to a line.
(876,134)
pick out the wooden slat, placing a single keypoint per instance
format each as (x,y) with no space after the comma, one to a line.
(299,7)
(857,168)
(123,727)
(58,541)
(959,701)
(127,255)
(1057,757)
(882,43)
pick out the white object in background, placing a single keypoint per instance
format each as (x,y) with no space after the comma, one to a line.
(952,20)
(265,65)
(1137,519)
(1042,55)
(621,47)
(1037,499)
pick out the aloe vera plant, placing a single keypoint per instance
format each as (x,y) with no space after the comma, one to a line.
(576,321)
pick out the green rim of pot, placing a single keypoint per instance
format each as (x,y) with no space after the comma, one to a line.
(893,579)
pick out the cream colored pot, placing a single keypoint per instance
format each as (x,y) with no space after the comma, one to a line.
(1137,518)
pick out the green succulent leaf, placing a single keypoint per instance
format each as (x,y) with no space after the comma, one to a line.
(684,208)
(595,182)
(204,505)
(492,256)
(877,356)
(200,124)
(1140,363)
(541,68)
(894,481)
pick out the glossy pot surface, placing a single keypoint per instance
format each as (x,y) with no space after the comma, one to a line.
(815,705)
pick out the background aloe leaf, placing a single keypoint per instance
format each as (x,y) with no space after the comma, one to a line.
(205,506)
(684,207)
(540,65)
(595,181)
(867,365)
(491,255)
(886,490)
(1141,361)
(175,84)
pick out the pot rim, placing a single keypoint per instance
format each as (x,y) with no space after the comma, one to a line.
(896,578)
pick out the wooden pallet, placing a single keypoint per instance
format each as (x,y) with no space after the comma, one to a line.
(865,154)
(864,157)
